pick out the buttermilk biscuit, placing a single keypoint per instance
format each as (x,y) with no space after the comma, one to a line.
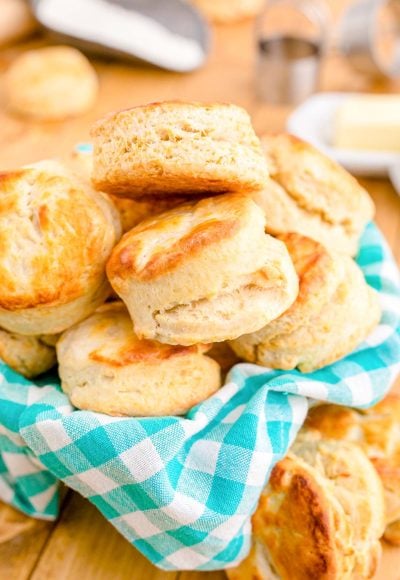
(319,270)
(377,431)
(51,83)
(105,367)
(320,516)
(168,149)
(27,355)
(319,329)
(310,194)
(204,272)
(56,234)
(228,11)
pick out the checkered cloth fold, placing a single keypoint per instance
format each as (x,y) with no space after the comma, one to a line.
(182,489)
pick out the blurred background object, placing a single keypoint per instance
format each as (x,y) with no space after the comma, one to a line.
(369,35)
(51,83)
(16,21)
(291,36)
(170,35)
(229,11)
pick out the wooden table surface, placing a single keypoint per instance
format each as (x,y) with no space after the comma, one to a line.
(81,544)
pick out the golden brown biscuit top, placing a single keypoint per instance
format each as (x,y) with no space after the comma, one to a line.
(161,244)
(376,430)
(180,113)
(321,511)
(313,264)
(317,183)
(295,501)
(107,337)
(54,236)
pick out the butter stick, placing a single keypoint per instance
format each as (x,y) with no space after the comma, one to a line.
(368,122)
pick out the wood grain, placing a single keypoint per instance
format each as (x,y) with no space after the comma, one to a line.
(22,540)
(83,544)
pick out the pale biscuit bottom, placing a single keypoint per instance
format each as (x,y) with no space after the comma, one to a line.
(55,319)
(226,315)
(27,355)
(339,326)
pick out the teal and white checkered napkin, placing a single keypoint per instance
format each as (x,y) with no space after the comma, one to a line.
(182,489)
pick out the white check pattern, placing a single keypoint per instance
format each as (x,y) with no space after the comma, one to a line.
(182,489)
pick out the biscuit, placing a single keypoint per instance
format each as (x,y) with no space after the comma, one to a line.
(320,516)
(376,430)
(319,271)
(229,11)
(319,329)
(204,272)
(56,234)
(51,83)
(171,148)
(310,194)
(105,367)
(27,355)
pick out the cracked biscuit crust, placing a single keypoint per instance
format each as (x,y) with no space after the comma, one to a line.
(310,194)
(106,368)
(56,234)
(321,333)
(172,148)
(204,272)
(377,431)
(320,516)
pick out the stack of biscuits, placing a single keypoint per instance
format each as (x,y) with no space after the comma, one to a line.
(331,499)
(228,240)
(232,249)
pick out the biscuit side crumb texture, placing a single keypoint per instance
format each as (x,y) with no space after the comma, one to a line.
(172,148)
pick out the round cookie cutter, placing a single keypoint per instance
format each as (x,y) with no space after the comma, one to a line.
(292,37)
(363,39)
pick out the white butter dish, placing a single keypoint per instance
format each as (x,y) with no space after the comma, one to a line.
(313,121)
